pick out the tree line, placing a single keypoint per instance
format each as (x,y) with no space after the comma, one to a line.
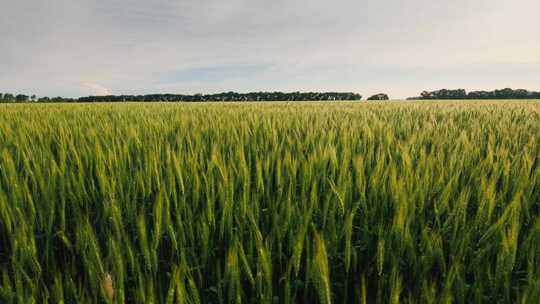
(462,94)
(227,96)
(275,96)
(21,98)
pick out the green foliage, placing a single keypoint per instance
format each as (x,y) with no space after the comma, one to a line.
(506,93)
(225,97)
(380,96)
(270,203)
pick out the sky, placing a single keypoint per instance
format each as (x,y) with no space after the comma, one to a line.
(98,47)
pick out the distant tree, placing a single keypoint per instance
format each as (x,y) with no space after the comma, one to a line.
(380,96)
(506,93)
(21,98)
(9,97)
(478,95)
(426,95)
(449,94)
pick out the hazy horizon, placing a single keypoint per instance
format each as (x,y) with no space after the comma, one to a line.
(79,47)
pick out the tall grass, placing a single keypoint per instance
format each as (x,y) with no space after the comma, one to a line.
(270,203)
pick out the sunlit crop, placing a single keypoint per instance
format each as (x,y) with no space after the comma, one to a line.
(424,202)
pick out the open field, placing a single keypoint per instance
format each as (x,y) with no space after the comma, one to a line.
(417,202)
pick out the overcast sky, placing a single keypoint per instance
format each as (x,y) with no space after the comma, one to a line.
(83,47)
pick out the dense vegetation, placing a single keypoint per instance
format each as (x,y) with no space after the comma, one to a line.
(380,96)
(270,203)
(462,94)
(228,96)
(443,94)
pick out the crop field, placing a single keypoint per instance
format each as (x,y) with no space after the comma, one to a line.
(343,202)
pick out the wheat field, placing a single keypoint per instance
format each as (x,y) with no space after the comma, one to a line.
(344,202)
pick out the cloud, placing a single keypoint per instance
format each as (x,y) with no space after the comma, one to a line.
(96,89)
(138,47)
(211,73)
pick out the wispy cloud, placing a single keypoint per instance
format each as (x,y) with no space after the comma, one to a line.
(210,73)
(96,89)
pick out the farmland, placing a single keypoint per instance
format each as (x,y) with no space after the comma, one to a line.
(344,202)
